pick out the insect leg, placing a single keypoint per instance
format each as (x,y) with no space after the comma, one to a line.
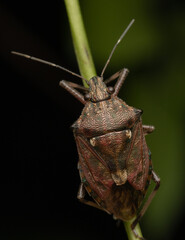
(156,179)
(148,129)
(116,75)
(70,87)
(78,86)
(122,76)
(113,77)
(81,195)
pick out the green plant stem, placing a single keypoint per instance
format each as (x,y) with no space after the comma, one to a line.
(80,41)
(86,66)
(129,231)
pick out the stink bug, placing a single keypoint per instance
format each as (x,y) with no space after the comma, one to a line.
(114,161)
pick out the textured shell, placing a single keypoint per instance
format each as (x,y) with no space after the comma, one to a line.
(113,130)
(106,116)
(122,201)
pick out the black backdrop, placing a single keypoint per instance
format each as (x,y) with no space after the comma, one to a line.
(38,175)
(39,179)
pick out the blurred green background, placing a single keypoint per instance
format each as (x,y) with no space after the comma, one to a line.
(154,52)
(38,182)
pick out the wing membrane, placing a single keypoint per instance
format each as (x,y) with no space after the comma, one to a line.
(96,174)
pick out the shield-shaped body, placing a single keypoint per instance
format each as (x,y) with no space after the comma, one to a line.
(113,156)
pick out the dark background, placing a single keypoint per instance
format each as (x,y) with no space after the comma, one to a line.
(38,175)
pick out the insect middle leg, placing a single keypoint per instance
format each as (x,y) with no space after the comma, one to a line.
(148,129)
(156,179)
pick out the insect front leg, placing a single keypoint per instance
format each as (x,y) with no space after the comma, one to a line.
(113,77)
(120,81)
(156,179)
(70,87)
(122,74)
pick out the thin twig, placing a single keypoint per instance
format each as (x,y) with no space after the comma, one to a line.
(129,231)
(80,41)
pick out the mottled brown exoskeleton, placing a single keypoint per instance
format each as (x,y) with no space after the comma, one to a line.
(114,160)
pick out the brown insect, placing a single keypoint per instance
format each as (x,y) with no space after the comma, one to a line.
(114,161)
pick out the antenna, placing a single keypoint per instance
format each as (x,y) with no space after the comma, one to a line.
(48,63)
(119,40)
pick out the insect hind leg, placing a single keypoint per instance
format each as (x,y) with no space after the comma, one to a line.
(81,198)
(156,179)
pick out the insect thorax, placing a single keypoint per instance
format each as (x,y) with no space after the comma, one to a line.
(105,116)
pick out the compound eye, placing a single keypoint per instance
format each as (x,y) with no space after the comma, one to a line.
(87,97)
(110,89)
